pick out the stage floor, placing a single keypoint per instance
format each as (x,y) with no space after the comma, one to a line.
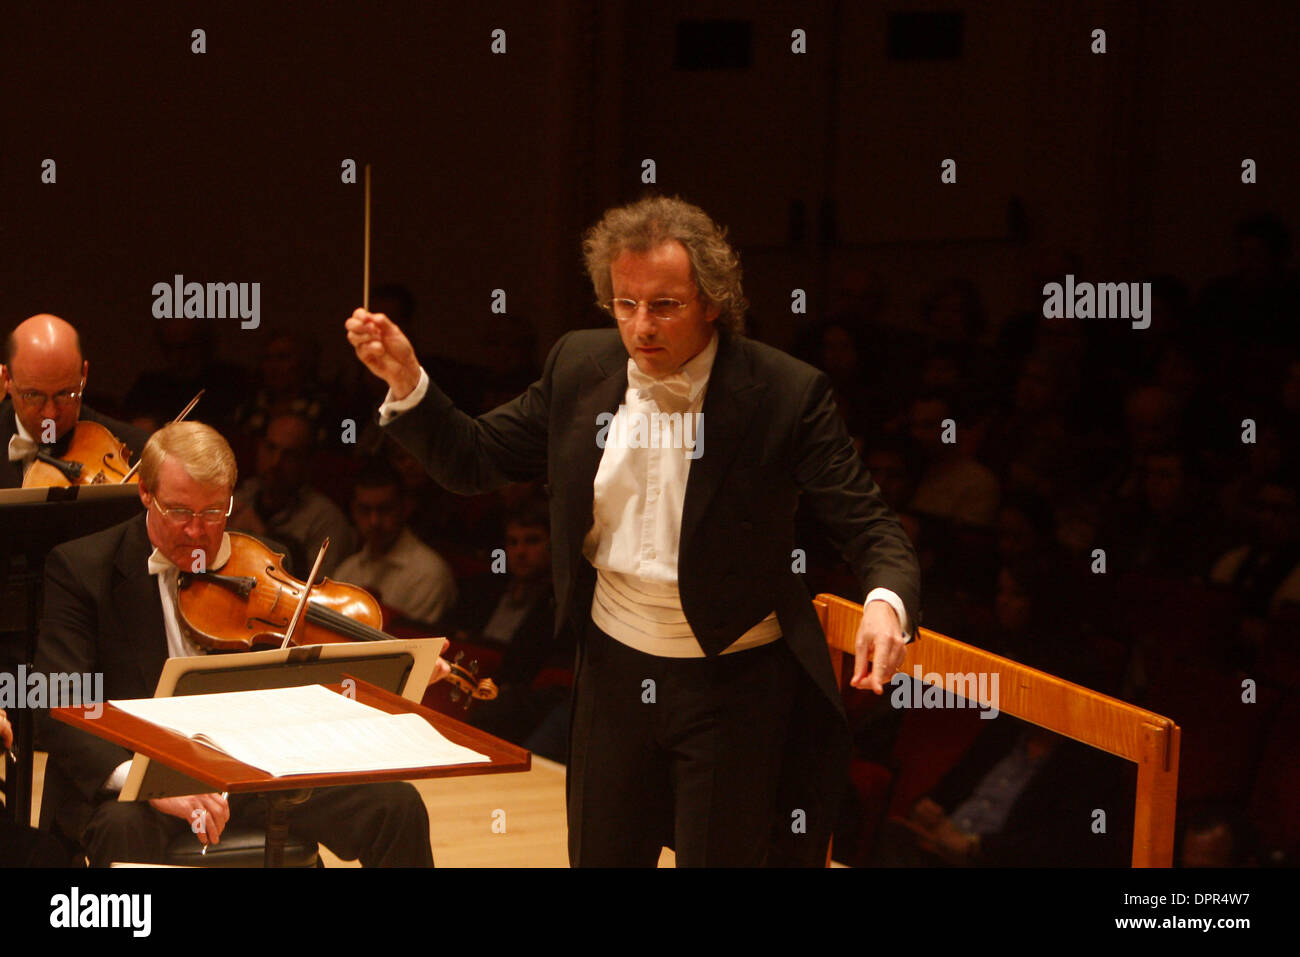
(485,820)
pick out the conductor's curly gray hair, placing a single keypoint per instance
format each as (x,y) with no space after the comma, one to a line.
(648,223)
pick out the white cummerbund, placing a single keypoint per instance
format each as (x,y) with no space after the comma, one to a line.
(648,616)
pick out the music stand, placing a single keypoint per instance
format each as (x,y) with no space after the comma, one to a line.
(33,521)
(401,666)
(216,771)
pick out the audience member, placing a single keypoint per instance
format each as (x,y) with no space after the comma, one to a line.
(189,364)
(279,501)
(515,614)
(396,567)
(953,484)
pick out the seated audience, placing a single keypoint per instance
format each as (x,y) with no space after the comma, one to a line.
(396,567)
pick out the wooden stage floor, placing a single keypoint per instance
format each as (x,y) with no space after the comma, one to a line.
(486,820)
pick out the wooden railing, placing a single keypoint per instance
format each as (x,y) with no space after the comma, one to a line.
(1124,730)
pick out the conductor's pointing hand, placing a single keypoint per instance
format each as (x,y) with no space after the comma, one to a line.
(880,642)
(385,350)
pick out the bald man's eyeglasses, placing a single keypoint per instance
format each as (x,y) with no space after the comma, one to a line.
(61,400)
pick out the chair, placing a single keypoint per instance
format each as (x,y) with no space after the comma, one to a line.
(1135,734)
(239,847)
(243,846)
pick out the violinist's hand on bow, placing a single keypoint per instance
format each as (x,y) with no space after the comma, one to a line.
(206,814)
(880,642)
(385,350)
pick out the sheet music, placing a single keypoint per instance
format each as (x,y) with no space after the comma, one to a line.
(303,730)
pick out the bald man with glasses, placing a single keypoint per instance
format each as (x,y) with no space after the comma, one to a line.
(43,378)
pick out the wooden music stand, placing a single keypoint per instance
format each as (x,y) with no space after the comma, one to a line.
(400,665)
(219,772)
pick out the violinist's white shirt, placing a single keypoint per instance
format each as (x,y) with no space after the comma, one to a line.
(178,646)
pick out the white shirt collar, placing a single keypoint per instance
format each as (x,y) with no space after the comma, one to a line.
(160,563)
(688,381)
(22,432)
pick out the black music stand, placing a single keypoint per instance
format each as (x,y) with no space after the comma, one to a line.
(33,521)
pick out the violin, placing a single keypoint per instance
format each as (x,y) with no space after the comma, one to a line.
(250,603)
(94,456)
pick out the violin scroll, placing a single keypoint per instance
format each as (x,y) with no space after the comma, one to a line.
(466,682)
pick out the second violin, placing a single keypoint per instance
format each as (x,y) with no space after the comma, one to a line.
(94,456)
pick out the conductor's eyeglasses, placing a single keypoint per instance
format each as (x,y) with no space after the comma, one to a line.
(664,309)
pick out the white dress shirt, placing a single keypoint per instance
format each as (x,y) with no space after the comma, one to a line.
(638,495)
(178,646)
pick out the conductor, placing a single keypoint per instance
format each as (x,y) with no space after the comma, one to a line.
(706,716)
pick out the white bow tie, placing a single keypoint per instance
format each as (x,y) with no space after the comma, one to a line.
(158,563)
(21,449)
(674,388)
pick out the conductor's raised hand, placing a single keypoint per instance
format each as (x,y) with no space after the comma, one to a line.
(385,350)
(879,641)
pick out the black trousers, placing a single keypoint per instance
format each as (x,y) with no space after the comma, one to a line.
(22,846)
(383,825)
(684,752)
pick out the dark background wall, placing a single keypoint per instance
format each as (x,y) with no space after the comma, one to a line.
(225,166)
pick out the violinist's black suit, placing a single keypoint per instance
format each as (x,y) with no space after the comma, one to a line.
(771,436)
(11,473)
(103,613)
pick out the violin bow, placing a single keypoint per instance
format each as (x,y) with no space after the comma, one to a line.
(302,602)
(180,418)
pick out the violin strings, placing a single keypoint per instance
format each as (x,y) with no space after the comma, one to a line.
(343,624)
